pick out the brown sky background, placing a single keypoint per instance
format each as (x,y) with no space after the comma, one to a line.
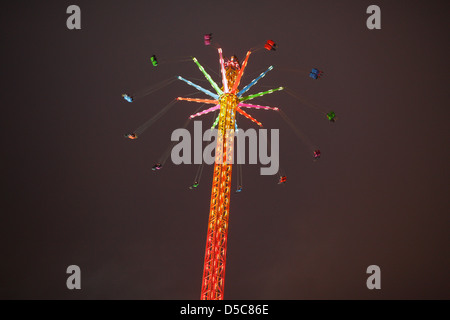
(76,192)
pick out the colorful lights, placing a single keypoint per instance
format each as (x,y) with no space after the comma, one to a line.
(255,106)
(241,72)
(222,68)
(228,102)
(199,100)
(208,77)
(209,93)
(259,94)
(251,84)
(245,114)
(205,112)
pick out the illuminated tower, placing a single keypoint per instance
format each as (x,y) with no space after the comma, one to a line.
(228,101)
(216,239)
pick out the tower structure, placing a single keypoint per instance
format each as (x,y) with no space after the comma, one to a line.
(216,240)
(229,102)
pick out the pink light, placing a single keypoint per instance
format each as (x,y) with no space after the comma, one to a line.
(255,106)
(222,67)
(204,112)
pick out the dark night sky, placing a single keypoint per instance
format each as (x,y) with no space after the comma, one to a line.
(76,192)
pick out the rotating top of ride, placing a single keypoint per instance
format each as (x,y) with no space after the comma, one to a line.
(226,95)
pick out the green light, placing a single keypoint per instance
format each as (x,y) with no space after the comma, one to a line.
(153,60)
(208,77)
(331,115)
(215,122)
(260,94)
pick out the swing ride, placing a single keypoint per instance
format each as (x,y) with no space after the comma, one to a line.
(228,101)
